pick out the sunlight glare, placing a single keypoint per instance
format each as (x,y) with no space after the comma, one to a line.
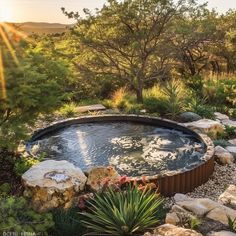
(2,79)
(5,11)
(8,44)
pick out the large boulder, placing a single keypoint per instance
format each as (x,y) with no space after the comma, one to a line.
(52,184)
(228,197)
(223,156)
(209,127)
(172,230)
(189,117)
(98,177)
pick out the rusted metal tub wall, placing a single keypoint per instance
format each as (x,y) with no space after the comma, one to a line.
(186,181)
(182,182)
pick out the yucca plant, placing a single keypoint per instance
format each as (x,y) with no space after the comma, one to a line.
(122,213)
(174,101)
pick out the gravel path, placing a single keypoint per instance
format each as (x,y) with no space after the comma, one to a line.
(222,177)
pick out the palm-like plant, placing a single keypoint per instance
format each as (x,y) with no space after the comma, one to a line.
(122,213)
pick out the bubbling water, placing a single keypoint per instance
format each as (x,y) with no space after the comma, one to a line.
(134,149)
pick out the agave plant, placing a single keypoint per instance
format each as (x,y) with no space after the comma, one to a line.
(122,213)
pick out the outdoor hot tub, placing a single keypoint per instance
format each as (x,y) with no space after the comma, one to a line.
(172,155)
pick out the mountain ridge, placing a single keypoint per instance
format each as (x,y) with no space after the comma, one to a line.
(42,27)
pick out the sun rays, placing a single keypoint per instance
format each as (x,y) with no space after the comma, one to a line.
(8,34)
(2,78)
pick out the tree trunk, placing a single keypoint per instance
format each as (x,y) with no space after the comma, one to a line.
(139,93)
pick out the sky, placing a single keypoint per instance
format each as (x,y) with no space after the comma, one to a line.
(49,10)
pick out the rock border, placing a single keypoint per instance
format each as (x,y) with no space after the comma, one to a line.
(181,181)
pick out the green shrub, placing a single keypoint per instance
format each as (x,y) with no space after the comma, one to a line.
(122,213)
(16,215)
(5,188)
(199,106)
(67,222)
(229,132)
(88,101)
(194,222)
(220,91)
(68,110)
(153,104)
(133,108)
(122,105)
(195,83)
(22,164)
(233,113)
(107,103)
(154,92)
(167,99)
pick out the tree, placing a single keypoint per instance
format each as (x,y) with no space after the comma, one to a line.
(126,40)
(34,86)
(226,49)
(193,37)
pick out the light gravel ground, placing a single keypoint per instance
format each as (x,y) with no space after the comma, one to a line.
(222,177)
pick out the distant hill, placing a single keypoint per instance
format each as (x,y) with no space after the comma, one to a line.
(42,27)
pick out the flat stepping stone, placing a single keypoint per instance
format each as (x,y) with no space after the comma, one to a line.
(229,123)
(96,107)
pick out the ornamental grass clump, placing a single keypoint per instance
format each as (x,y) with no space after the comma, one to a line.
(122,212)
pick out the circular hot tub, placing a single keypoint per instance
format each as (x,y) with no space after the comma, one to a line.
(164,151)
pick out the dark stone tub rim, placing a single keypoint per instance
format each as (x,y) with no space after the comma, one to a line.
(205,168)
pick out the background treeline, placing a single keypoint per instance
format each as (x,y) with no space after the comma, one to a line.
(138,43)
